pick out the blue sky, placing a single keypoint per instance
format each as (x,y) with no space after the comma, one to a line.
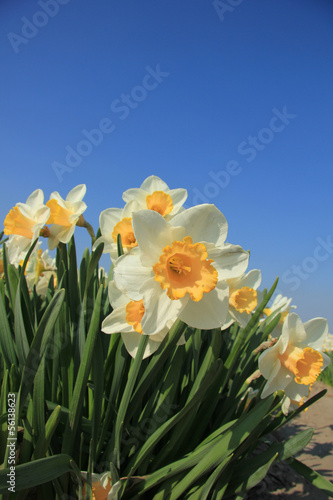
(231,100)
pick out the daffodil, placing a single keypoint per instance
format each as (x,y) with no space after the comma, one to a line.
(294,363)
(39,270)
(65,215)
(281,305)
(24,223)
(114,221)
(180,268)
(243,298)
(102,488)
(126,319)
(154,194)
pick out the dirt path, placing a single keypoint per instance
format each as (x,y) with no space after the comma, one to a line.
(282,482)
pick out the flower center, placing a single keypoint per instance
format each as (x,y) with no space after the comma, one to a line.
(59,215)
(305,363)
(134,313)
(159,201)
(125,229)
(244,299)
(17,223)
(98,492)
(184,268)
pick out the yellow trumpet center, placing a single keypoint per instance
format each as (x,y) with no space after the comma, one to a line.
(125,229)
(17,223)
(184,268)
(98,492)
(159,201)
(244,299)
(134,313)
(59,215)
(305,363)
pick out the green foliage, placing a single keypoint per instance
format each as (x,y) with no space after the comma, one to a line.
(180,424)
(326,375)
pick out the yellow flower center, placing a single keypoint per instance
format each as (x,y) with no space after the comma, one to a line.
(125,229)
(159,201)
(184,268)
(134,313)
(305,363)
(59,215)
(17,223)
(244,299)
(98,492)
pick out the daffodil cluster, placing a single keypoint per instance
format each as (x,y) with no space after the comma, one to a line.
(175,263)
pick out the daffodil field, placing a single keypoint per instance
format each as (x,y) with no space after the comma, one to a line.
(163,377)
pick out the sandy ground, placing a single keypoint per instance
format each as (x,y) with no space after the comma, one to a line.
(282,482)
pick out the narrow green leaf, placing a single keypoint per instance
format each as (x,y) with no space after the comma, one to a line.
(312,476)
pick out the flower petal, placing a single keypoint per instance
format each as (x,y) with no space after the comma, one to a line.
(129,274)
(278,383)
(154,183)
(211,311)
(231,260)
(77,193)
(316,332)
(116,322)
(204,223)
(178,197)
(153,233)
(136,194)
(116,297)
(297,333)
(159,309)
(35,199)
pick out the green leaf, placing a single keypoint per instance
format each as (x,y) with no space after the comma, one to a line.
(37,472)
(312,476)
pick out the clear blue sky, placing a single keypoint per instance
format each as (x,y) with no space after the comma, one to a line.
(232,102)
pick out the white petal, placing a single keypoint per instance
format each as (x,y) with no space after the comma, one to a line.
(116,297)
(108,219)
(228,322)
(56,196)
(129,274)
(278,383)
(77,193)
(296,391)
(316,332)
(159,309)
(203,223)
(231,260)
(297,333)
(153,233)
(136,194)
(60,233)
(269,363)
(154,183)
(35,199)
(211,311)
(241,318)
(326,359)
(178,199)
(116,322)
(252,279)
(42,214)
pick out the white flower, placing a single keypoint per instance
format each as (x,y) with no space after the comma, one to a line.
(295,361)
(328,343)
(181,267)
(114,221)
(24,223)
(65,214)
(280,305)
(126,319)
(40,268)
(243,298)
(102,488)
(154,194)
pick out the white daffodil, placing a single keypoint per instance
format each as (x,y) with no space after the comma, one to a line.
(24,223)
(102,488)
(154,194)
(243,298)
(294,363)
(39,270)
(65,214)
(114,221)
(126,319)
(328,343)
(180,268)
(280,305)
